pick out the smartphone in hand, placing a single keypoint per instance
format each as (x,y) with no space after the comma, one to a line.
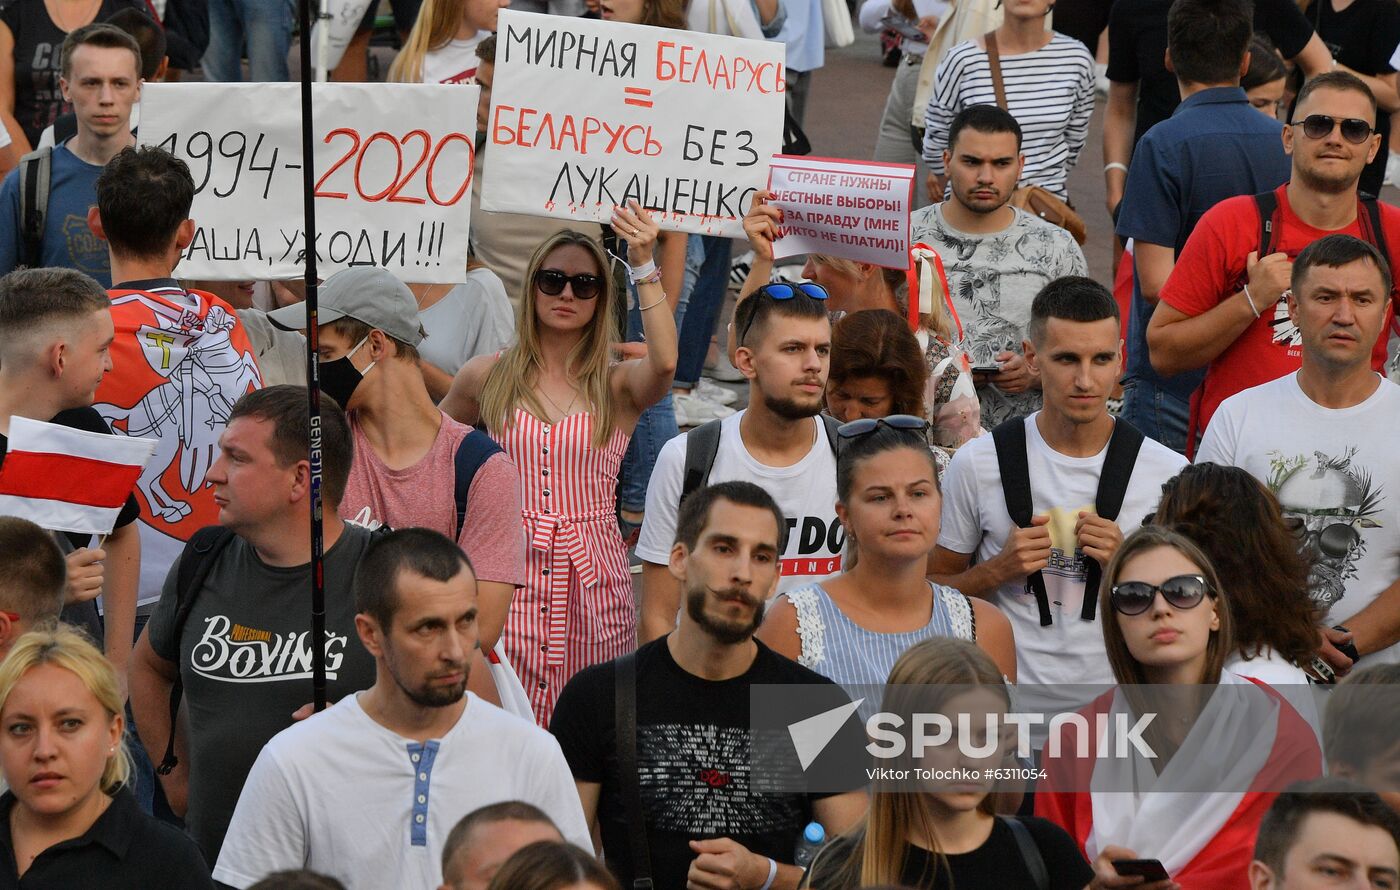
(1150,869)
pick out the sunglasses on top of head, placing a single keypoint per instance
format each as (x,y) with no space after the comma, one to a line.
(864,426)
(1320,126)
(857,429)
(551,283)
(781,290)
(1180,592)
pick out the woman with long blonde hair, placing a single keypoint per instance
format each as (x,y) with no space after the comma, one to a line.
(441,48)
(565,411)
(947,835)
(70,820)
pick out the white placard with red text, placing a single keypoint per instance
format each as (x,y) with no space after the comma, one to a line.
(587,114)
(858,210)
(393,176)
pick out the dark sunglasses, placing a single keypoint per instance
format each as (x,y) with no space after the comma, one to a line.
(864,426)
(551,283)
(1319,126)
(781,290)
(1180,592)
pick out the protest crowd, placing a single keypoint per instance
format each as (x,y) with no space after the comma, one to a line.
(627,448)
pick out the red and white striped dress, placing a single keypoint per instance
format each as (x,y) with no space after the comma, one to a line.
(576,608)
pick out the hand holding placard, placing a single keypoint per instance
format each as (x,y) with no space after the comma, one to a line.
(853,209)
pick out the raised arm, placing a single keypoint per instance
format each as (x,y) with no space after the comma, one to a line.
(761,224)
(645,380)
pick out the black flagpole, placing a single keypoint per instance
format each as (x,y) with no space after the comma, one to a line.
(313,375)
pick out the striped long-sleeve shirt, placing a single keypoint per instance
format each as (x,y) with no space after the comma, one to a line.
(1050,93)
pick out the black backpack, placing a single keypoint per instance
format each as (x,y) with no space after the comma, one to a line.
(702,444)
(204,547)
(1123,447)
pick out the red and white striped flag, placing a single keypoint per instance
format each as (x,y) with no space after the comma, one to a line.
(68,480)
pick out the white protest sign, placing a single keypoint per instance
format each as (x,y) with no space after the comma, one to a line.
(393,176)
(587,114)
(858,210)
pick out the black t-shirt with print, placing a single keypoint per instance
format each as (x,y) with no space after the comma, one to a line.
(37,57)
(996,865)
(1137,46)
(244,655)
(693,760)
(84,615)
(1362,37)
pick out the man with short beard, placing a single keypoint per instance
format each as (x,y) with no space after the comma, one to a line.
(707,824)
(997,257)
(778,443)
(1224,307)
(368,790)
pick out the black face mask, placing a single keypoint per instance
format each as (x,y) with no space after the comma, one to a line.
(339,378)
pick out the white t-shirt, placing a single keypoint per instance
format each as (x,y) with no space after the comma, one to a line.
(474,318)
(1333,468)
(975,520)
(341,794)
(455,62)
(805,491)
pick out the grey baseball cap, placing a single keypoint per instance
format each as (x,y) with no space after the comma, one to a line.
(365,293)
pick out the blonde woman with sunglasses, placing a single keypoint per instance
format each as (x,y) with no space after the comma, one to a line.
(564,411)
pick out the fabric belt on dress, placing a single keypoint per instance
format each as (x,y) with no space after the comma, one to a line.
(562,535)
(551,529)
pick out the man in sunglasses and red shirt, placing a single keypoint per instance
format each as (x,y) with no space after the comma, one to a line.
(1224,306)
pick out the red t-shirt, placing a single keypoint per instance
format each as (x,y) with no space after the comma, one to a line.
(1211,268)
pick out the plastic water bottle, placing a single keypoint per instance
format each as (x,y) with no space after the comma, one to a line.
(813,837)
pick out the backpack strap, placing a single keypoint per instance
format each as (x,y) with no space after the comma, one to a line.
(1371,228)
(1010,440)
(198,558)
(1030,853)
(625,725)
(472,453)
(701,446)
(832,425)
(994,62)
(1267,205)
(1123,448)
(35,174)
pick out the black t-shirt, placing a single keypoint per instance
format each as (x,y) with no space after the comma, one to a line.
(1137,46)
(123,850)
(996,865)
(37,58)
(693,759)
(244,654)
(1362,37)
(84,615)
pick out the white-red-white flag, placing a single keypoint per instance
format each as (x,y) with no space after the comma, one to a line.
(68,480)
